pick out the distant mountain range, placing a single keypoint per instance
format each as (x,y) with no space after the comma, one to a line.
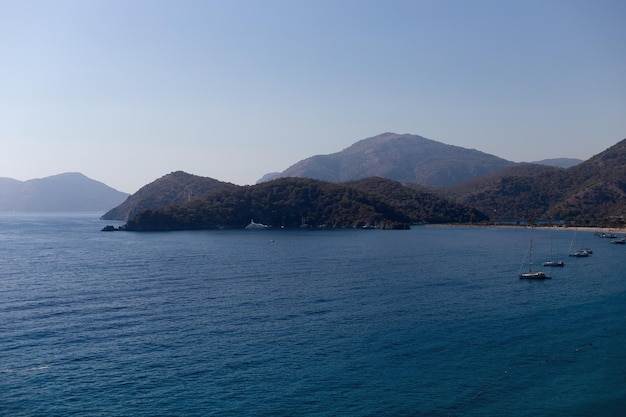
(404,158)
(387,181)
(402,187)
(559,162)
(70,191)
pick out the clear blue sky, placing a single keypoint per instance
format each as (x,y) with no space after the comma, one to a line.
(128,91)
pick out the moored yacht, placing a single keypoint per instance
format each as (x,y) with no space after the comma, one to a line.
(530,274)
(253,225)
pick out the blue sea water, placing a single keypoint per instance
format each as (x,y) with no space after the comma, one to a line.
(428,322)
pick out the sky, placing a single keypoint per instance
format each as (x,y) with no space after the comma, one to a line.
(127,91)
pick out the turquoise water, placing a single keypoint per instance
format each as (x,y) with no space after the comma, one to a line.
(428,322)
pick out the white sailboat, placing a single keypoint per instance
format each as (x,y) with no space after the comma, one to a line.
(579,253)
(552,261)
(530,274)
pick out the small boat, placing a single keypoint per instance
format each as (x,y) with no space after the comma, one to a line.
(620,241)
(253,225)
(534,275)
(530,274)
(552,261)
(580,253)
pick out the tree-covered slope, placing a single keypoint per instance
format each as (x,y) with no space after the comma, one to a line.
(174,188)
(592,192)
(421,206)
(287,202)
(595,190)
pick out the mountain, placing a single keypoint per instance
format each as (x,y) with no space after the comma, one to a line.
(420,205)
(8,189)
(175,188)
(405,158)
(592,192)
(303,202)
(513,193)
(268,177)
(559,162)
(489,182)
(595,189)
(70,191)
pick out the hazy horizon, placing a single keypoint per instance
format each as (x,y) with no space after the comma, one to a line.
(128,91)
(220,179)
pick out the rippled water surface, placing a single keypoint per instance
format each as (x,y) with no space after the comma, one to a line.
(428,322)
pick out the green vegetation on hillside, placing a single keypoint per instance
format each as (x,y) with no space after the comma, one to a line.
(174,188)
(592,193)
(298,202)
(421,206)
(288,202)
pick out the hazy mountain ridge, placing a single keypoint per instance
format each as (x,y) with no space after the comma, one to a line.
(69,191)
(400,157)
(590,192)
(559,162)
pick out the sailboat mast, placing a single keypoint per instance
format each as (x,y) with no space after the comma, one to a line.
(551,257)
(530,256)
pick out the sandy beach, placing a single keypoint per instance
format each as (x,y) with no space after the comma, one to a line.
(514,226)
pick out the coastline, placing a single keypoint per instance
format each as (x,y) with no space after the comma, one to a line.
(514,226)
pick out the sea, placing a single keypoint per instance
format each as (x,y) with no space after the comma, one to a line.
(432,321)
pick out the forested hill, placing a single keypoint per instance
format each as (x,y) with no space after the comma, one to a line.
(174,188)
(301,202)
(420,205)
(592,192)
